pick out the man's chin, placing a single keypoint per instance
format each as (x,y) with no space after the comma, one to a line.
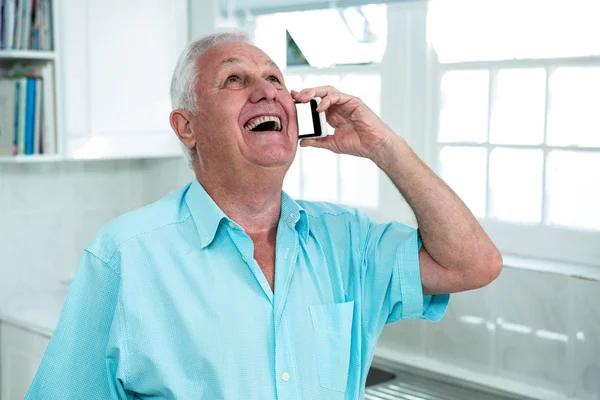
(272,158)
(277,163)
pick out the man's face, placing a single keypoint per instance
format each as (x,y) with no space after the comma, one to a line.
(246,115)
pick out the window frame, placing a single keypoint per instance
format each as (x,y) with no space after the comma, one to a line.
(339,71)
(402,106)
(410,91)
(539,241)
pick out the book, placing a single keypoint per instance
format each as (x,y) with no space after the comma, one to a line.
(8,24)
(37,132)
(2,22)
(26,32)
(48,117)
(21,117)
(37,18)
(17,113)
(47,16)
(18,24)
(30,116)
(7,115)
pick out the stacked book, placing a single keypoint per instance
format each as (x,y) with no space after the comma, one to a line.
(27,114)
(25,25)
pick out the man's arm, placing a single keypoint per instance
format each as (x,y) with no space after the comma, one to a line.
(82,360)
(457,254)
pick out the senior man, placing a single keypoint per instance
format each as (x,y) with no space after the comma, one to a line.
(230,289)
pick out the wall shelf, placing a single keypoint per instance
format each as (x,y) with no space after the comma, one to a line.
(27,55)
(35,158)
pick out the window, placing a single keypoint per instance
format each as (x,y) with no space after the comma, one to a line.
(321,175)
(471,30)
(347,58)
(518,134)
(355,35)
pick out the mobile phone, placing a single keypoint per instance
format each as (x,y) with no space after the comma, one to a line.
(311,123)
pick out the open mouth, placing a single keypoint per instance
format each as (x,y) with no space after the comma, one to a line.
(263,124)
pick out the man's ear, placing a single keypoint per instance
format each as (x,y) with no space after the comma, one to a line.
(181,122)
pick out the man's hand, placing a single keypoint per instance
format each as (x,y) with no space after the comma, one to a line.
(358,130)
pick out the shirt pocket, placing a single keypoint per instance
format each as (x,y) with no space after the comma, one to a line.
(332,325)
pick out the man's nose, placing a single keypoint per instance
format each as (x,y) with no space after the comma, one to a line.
(263,90)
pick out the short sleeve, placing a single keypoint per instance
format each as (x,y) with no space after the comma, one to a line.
(391,277)
(83,357)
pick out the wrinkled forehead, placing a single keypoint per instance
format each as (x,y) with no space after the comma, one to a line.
(231,54)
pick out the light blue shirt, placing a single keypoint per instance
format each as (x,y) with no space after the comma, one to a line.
(169,303)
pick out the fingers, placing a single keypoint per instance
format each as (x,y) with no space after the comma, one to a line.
(332,98)
(319,91)
(328,94)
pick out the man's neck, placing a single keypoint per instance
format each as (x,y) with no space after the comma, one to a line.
(255,204)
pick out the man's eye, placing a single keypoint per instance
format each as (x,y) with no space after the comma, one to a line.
(233,79)
(273,78)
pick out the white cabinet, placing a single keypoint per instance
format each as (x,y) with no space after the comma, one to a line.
(117,61)
(20,353)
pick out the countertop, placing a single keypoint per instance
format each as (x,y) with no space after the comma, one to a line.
(35,310)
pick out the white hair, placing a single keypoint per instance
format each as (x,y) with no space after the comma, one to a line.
(183,95)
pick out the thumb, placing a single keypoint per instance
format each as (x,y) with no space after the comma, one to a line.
(322,143)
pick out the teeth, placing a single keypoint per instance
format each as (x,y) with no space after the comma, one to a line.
(257,121)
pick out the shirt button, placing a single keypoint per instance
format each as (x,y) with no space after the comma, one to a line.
(244,259)
(293,215)
(231,225)
(285,377)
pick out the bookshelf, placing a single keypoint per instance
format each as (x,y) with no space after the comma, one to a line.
(31,59)
(110,94)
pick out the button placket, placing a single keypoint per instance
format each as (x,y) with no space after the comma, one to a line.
(287,388)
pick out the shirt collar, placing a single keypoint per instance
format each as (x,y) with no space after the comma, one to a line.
(207,215)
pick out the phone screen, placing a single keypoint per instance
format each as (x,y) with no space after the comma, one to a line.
(307,124)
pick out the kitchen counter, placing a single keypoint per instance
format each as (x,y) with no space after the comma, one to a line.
(388,380)
(36,311)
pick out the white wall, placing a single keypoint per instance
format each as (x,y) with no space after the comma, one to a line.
(527,331)
(49,212)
